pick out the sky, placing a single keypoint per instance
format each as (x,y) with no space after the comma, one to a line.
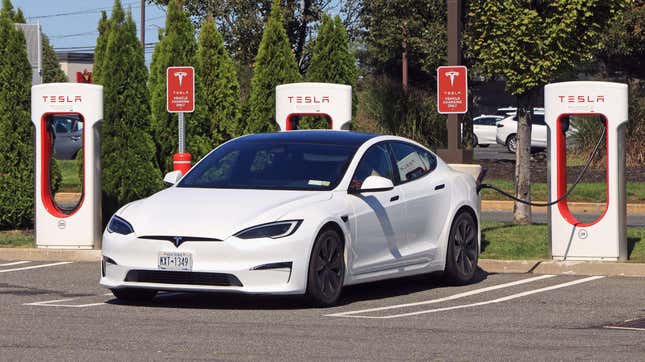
(72,24)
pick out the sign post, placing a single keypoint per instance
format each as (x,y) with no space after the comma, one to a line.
(180,98)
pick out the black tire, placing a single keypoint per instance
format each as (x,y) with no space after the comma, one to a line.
(326,269)
(134,295)
(511,143)
(475,141)
(484,146)
(463,250)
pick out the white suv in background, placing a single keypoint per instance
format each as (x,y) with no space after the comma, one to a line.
(485,130)
(507,131)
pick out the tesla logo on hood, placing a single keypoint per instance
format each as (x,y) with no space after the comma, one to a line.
(178,240)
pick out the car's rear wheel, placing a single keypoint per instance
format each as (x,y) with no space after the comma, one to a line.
(511,143)
(463,250)
(326,269)
(134,295)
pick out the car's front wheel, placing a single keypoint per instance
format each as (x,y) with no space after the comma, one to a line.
(134,295)
(326,269)
(511,143)
(463,250)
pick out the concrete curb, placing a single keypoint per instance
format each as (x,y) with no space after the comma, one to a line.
(563,267)
(33,254)
(500,205)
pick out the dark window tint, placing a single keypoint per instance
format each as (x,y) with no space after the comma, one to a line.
(538,119)
(412,162)
(271,165)
(375,162)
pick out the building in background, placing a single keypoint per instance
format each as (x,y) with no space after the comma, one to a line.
(77,66)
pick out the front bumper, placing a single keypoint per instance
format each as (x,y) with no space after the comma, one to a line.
(272,266)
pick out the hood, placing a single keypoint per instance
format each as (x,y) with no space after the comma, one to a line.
(215,213)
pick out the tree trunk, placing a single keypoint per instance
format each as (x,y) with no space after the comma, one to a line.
(404,56)
(522,212)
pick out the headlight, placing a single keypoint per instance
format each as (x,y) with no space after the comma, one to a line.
(119,226)
(273,230)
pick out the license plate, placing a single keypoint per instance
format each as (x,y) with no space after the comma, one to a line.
(175,261)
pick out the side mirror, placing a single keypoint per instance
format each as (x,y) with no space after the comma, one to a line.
(172,177)
(375,184)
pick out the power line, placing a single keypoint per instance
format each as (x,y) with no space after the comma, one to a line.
(132,4)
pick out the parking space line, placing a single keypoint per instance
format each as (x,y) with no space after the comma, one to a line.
(15,263)
(56,303)
(439,300)
(626,328)
(35,266)
(492,301)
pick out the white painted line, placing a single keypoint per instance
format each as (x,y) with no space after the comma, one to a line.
(439,300)
(626,328)
(492,301)
(15,263)
(35,266)
(55,303)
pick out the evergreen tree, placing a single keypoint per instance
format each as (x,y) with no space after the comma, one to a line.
(19,17)
(52,73)
(127,150)
(332,61)
(176,47)
(218,108)
(16,148)
(101,45)
(275,64)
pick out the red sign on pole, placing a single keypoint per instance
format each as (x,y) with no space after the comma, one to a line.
(180,89)
(452,89)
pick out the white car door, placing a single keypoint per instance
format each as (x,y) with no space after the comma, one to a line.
(538,131)
(377,217)
(427,198)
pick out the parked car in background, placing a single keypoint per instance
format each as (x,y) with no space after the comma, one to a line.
(68,136)
(485,130)
(507,131)
(509,111)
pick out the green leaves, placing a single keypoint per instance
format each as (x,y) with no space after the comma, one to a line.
(177,47)
(275,64)
(127,150)
(16,148)
(219,112)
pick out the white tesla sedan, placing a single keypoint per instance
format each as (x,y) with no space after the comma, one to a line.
(300,212)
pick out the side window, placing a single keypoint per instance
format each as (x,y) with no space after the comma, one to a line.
(412,162)
(538,119)
(375,162)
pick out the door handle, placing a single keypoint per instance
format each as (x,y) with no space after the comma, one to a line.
(439,187)
(394,198)
(75,138)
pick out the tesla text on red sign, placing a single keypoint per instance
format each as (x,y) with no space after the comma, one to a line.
(180,89)
(452,89)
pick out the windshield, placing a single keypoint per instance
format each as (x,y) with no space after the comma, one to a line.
(271,165)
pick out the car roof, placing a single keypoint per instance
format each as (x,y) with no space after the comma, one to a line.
(345,138)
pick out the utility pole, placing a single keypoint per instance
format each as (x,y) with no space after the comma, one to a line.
(143,24)
(454,153)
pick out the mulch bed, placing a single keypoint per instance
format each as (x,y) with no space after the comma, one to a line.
(505,170)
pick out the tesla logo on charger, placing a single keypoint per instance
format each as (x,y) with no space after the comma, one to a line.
(62,99)
(308,99)
(582,99)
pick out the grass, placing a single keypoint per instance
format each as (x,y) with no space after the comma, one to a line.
(584,192)
(17,239)
(518,242)
(69,171)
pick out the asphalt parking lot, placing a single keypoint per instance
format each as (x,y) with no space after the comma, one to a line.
(57,310)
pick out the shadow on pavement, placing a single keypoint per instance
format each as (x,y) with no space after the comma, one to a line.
(369,291)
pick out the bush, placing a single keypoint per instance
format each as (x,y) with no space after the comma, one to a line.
(412,115)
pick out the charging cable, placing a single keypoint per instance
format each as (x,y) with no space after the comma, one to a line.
(578,179)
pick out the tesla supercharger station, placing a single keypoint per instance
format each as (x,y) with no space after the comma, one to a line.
(605,104)
(328,100)
(57,226)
